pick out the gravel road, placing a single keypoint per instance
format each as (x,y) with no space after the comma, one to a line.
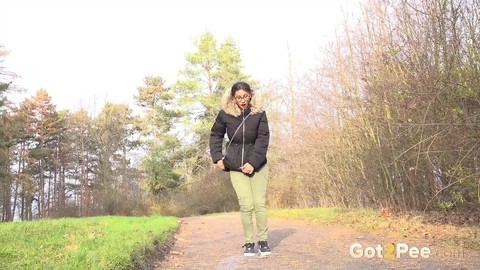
(215,242)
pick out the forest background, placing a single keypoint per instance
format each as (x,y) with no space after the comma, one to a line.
(389,118)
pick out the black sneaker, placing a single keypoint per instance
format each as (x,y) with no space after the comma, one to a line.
(249,249)
(264,249)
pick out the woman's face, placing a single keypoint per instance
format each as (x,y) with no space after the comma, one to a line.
(242,98)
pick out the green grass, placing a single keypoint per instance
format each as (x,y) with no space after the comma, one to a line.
(400,226)
(111,242)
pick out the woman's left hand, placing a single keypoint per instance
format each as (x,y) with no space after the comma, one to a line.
(247,168)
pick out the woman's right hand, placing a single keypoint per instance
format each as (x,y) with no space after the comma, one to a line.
(220,164)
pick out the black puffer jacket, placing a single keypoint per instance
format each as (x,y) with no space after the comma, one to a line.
(251,140)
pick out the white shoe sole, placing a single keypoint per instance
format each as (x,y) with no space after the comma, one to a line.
(265,253)
(248,254)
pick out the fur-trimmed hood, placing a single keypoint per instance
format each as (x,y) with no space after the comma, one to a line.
(230,107)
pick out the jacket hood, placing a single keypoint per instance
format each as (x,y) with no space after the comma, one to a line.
(230,107)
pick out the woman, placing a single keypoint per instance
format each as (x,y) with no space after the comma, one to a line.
(246,125)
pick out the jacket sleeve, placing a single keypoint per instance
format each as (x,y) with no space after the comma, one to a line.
(217,134)
(259,153)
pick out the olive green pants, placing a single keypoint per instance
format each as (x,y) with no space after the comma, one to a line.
(251,194)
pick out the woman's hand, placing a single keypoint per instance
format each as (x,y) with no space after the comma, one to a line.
(220,165)
(248,168)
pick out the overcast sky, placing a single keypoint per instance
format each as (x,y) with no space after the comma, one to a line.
(84,51)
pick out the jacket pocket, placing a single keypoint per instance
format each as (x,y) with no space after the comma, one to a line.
(248,152)
(232,159)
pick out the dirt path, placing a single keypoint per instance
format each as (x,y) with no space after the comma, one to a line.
(214,242)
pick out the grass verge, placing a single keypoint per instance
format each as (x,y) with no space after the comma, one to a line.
(111,242)
(398,226)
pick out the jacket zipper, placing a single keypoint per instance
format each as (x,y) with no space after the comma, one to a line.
(243,138)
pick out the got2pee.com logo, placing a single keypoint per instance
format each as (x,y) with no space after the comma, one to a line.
(389,251)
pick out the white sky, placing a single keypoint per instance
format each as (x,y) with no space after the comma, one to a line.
(91,52)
